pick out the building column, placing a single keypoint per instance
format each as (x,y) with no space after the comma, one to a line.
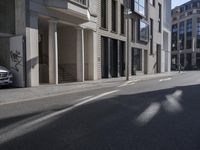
(53,52)
(80,55)
(32,52)
(194,59)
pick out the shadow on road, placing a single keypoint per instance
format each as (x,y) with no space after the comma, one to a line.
(158,120)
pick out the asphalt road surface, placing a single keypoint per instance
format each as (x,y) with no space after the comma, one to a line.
(158,114)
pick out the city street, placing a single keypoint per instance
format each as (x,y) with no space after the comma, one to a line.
(156,114)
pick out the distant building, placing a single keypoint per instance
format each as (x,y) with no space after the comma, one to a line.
(186,35)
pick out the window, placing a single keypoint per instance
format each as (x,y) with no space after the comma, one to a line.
(151,36)
(152,2)
(160,17)
(188,6)
(195,5)
(198,33)
(122,20)
(138,6)
(174,36)
(103,14)
(7,16)
(143,31)
(114,15)
(181,34)
(136,60)
(182,9)
(189,34)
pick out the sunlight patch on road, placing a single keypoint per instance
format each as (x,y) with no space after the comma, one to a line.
(148,114)
(170,105)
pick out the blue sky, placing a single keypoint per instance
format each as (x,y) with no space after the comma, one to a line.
(178,2)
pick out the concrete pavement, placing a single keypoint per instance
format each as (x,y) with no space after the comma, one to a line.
(8,96)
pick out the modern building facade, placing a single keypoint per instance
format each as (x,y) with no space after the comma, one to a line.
(150,37)
(186,35)
(58,41)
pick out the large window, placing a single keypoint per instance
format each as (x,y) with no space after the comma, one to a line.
(143,31)
(189,34)
(136,60)
(181,35)
(103,13)
(138,6)
(160,17)
(198,33)
(7,16)
(122,20)
(174,36)
(114,15)
(151,36)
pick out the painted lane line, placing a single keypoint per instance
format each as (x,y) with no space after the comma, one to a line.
(167,79)
(96,97)
(30,126)
(84,98)
(126,83)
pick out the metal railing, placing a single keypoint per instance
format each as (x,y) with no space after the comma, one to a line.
(81,2)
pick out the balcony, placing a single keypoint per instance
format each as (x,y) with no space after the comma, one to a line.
(74,8)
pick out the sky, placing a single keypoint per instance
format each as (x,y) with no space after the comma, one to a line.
(178,2)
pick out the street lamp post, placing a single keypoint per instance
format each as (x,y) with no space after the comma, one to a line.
(127,13)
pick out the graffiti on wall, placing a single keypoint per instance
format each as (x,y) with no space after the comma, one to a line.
(16,59)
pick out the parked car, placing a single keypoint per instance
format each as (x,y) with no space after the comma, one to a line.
(6,77)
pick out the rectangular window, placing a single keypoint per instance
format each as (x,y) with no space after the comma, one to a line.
(198,33)
(104,14)
(189,34)
(181,35)
(122,20)
(143,31)
(136,60)
(174,37)
(138,6)
(151,36)
(152,2)
(160,17)
(7,16)
(114,15)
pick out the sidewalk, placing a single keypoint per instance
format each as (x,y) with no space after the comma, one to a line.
(25,94)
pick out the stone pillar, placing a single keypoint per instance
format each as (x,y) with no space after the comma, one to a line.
(32,51)
(194,59)
(80,55)
(53,52)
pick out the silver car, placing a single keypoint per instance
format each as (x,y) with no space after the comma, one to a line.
(6,77)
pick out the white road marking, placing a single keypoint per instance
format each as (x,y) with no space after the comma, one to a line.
(148,114)
(96,97)
(167,79)
(84,98)
(28,127)
(127,83)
